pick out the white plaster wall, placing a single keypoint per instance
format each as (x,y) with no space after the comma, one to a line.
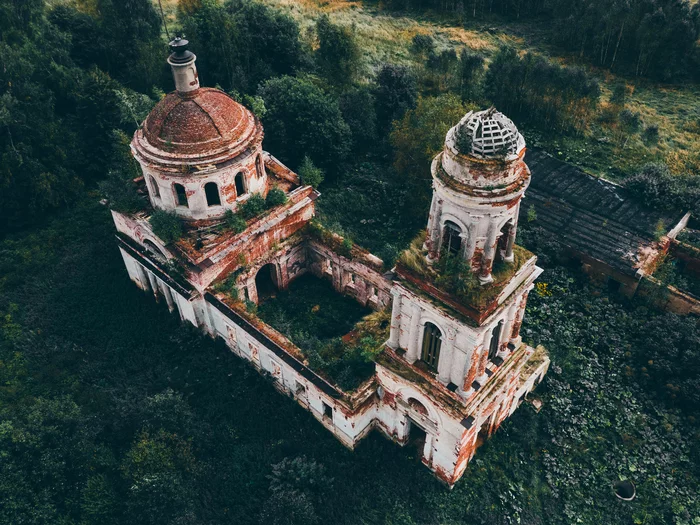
(444,432)
(139,273)
(349,429)
(194,186)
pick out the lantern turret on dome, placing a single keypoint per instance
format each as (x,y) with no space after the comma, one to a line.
(200,151)
(478,181)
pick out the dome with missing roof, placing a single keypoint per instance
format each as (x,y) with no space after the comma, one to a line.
(487,134)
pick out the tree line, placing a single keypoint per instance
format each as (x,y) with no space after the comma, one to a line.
(645,38)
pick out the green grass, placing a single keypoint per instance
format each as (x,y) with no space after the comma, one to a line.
(386,37)
(310,305)
(316,317)
(74,329)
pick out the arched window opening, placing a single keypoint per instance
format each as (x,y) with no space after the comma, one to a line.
(503,240)
(154,187)
(418,406)
(259,166)
(154,250)
(495,340)
(451,239)
(265,282)
(181,195)
(432,339)
(211,190)
(240,184)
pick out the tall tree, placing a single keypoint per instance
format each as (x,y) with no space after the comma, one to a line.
(243,43)
(338,53)
(302,119)
(418,137)
(397,92)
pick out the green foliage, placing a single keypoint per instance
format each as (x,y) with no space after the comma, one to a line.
(471,73)
(166,225)
(303,120)
(98,398)
(422,44)
(531,213)
(455,275)
(338,54)
(314,316)
(654,185)
(275,197)
(228,286)
(655,39)
(121,192)
(359,109)
(418,137)
(119,186)
(242,43)
(397,93)
(254,206)
(120,37)
(562,98)
(309,173)
(234,222)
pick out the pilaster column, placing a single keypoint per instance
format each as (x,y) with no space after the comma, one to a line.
(485,276)
(143,278)
(413,351)
(508,257)
(471,239)
(154,284)
(515,338)
(283,273)
(508,327)
(252,291)
(445,360)
(471,368)
(483,358)
(395,333)
(433,236)
(168,296)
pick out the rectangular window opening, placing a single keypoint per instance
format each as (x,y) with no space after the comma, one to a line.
(327,411)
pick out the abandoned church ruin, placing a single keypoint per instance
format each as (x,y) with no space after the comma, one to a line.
(452,365)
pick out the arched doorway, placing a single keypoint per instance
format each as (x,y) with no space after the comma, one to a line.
(154,250)
(432,340)
(265,282)
(451,238)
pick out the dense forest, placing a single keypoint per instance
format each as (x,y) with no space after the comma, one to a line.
(113,412)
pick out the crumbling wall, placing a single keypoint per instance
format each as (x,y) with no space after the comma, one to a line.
(349,276)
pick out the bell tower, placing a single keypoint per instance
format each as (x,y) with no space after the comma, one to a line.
(459,297)
(478,181)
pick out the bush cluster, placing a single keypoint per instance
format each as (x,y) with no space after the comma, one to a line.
(166,225)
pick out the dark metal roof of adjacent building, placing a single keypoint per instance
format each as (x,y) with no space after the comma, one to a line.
(591,215)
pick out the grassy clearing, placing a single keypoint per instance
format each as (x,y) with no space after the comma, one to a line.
(386,37)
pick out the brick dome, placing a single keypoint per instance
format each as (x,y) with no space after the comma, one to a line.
(204,126)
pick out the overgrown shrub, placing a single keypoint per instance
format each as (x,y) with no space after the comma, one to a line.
(309,173)
(166,225)
(253,207)
(275,197)
(234,222)
(228,286)
(655,186)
